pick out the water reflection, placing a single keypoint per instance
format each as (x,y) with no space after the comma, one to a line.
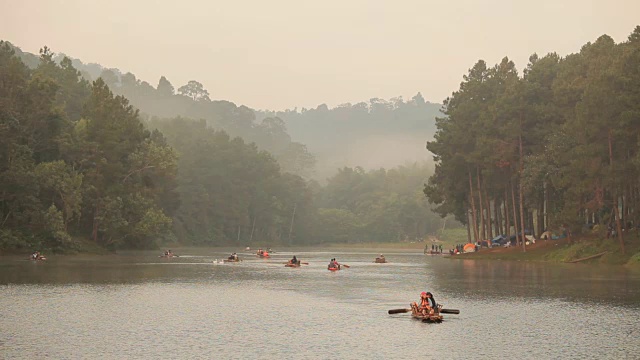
(136,305)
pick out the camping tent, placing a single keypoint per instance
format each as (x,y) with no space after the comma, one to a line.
(469,247)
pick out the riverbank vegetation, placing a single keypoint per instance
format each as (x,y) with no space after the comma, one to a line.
(555,148)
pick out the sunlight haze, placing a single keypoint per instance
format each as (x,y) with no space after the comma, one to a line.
(290,53)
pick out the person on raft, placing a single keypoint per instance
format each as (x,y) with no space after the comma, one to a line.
(432,301)
(37,256)
(260,252)
(294,261)
(333,264)
(427,304)
(233,257)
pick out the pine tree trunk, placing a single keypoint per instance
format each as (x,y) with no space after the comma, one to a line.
(489,219)
(515,216)
(635,211)
(524,246)
(473,208)
(481,205)
(615,194)
(468,226)
(496,214)
(507,224)
(545,206)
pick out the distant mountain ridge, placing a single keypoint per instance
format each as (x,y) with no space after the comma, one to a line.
(310,142)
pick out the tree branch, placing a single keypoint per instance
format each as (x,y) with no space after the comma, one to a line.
(137,171)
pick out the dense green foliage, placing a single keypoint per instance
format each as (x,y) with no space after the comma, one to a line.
(378,205)
(78,164)
(232,193)
(74,159)
(555,147)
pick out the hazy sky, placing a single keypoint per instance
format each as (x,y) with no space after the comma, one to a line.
(281,54)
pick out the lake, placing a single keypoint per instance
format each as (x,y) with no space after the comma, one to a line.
(137,305)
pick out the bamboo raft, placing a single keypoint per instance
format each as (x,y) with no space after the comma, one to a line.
(435,318)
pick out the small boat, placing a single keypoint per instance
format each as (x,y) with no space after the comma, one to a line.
(334,268)
(36,256)
(435,318)
(380,260)
(168,254)
(232,260)
(292,265)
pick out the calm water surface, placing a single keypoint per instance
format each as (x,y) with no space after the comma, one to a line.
(136,305)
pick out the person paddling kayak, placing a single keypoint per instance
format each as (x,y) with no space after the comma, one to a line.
(333,264)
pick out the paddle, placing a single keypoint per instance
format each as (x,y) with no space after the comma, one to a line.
(449,311)
(345,265)
(399,311)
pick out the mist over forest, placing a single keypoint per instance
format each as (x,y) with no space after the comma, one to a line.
(313,143)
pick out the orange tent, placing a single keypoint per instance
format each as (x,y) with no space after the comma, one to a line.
(469,247)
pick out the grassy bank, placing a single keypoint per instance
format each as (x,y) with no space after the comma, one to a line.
(563,251)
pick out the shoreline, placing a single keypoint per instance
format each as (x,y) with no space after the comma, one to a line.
(588,251)
(551,251)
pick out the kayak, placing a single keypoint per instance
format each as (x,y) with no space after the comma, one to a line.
(292,265)
(380,261)
(333,269)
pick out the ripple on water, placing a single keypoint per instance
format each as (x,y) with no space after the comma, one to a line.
(139,306)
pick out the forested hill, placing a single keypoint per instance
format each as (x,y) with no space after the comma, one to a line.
(377,133)
(163,101)
(313,143)
(79,166)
